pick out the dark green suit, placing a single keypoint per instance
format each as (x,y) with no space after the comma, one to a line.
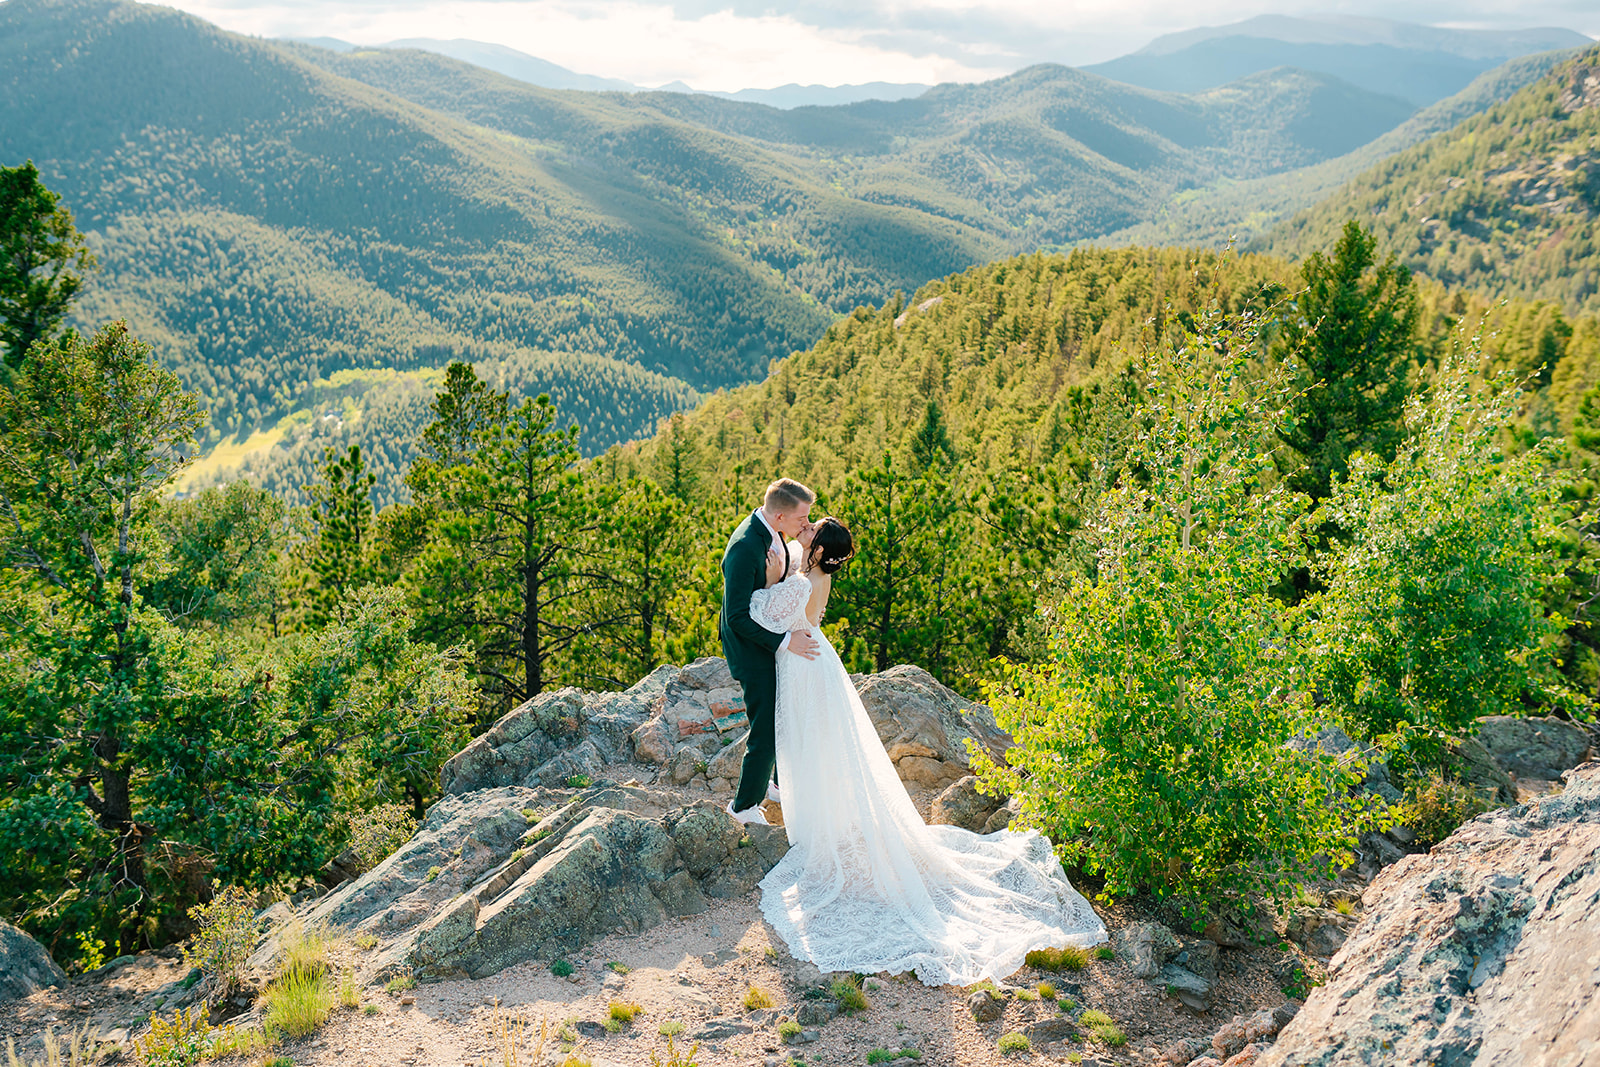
(751,650)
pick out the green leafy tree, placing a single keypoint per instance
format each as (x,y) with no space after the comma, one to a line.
(642,543)
(224,556)
(1432,613)
(1350,345)
(93,432)
(1151,738)
(43,259)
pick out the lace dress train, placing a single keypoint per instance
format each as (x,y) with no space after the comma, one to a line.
(867,886)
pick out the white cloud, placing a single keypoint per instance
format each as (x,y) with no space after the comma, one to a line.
(734,44)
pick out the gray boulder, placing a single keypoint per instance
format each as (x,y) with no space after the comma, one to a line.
(499,876)
(962,805)
(1482,951)
(1534,748)
(1473,764)
(925,726)
(1146,947)
(552,737)
(25,966)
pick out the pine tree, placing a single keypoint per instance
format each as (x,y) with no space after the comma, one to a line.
(1350,346)
(343,515)
(43,258)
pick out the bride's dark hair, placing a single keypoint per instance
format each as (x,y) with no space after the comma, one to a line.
(832,547)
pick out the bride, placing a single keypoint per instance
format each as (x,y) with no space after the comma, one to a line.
(866,885)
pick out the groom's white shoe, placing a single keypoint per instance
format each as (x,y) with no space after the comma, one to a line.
(773,794)
(752,815)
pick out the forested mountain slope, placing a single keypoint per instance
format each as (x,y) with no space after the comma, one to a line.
(1507,202)
(1244,210)
(272,214)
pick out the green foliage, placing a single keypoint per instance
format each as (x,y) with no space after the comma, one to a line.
(342,513)
(225,935)
(847,993)
(1436,805)
(756,998)
(224,562)
(561,968)
(43,259)
(675,1056)
(1350,344)
(788,1030)
(400,983)
(1150,742)
(376,832)
(1011,1042)
(188,1039)
(1105,952)
(1431,616)
(1070,958)
(230,760)
(298,1002)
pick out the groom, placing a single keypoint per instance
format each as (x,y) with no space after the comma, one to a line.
(751,649)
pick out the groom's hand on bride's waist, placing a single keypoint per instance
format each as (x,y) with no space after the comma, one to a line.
(802,644)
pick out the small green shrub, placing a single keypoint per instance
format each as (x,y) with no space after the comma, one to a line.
(303,950)
(671,1028)
(187,1039)
(349,992)
(375,834)
(579,781)
(298,1003)
(1014,1042)
(624,1011)
(788,1030)
(433,872)
(401,982)
(618,967)
(278,1061)
(1103,1027)
(370,1009)
(1047,991)
(1027,994)
(1105,952)
(364,942)
(561,968)
(224,936)
(1344,906)
(675,1058)
(756,998)
(1067,1005)
(1437,805)
(884,1055)
(1057,959)
(848,994)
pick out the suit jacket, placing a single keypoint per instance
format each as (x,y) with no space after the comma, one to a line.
(749,646)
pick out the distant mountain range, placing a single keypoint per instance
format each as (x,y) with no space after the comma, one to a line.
(1419,64)
(293,226)
(535,71)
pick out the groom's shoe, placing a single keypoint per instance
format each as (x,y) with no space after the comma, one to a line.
(773,794)
(749,815)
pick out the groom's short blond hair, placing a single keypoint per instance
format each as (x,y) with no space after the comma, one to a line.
(786,495)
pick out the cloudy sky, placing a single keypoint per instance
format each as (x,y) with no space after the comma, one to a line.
(736,44)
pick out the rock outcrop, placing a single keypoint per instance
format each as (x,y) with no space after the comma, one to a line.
(1483,951)
(498,876)
(1540,749)
(25,965)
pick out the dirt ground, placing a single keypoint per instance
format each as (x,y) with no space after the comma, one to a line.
(690,977)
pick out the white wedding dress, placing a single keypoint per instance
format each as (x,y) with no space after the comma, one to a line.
(867,886)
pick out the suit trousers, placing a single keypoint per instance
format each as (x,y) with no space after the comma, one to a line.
(760,754)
